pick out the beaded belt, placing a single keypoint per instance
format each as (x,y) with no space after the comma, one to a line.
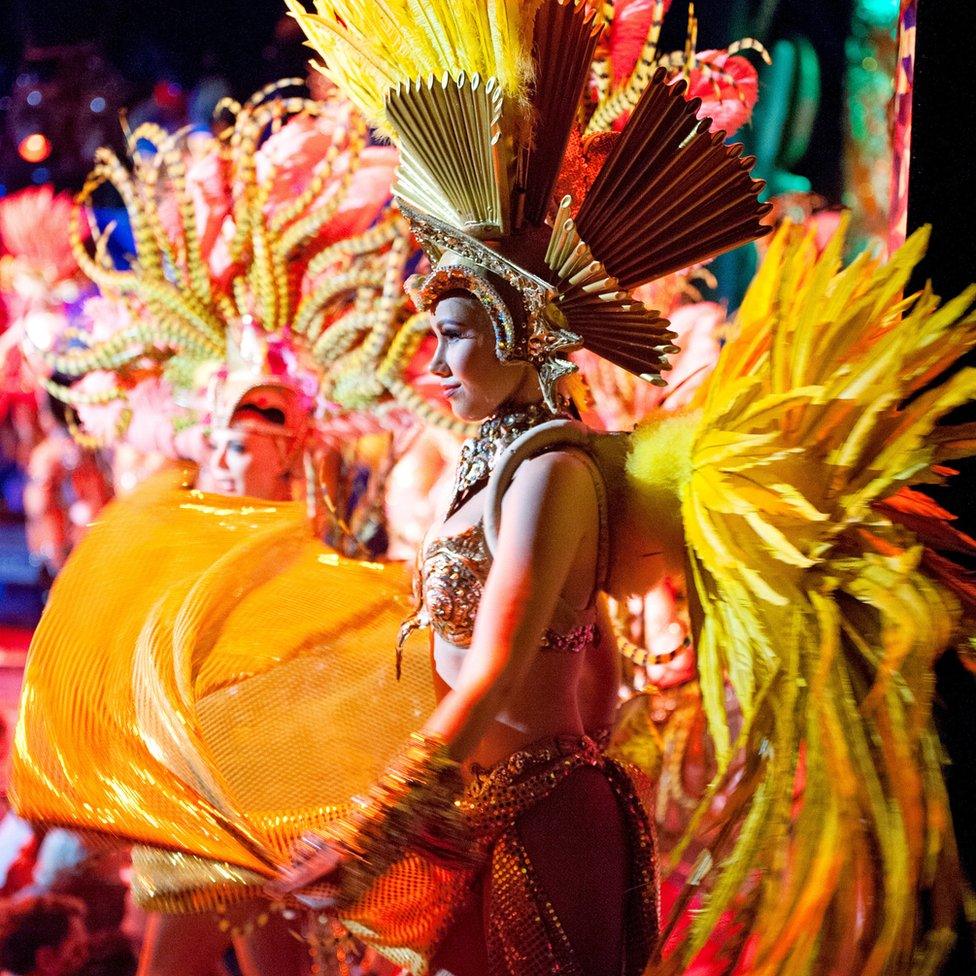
(499,795)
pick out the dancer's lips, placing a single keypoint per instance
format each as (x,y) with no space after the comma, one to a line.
(449,389)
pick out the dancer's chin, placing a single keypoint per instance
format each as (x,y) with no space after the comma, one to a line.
(462,407)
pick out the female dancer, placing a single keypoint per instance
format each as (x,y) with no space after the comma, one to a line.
(509,580)
(475,852)
(259,439)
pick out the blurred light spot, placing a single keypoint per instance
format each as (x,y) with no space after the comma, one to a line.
(35,148)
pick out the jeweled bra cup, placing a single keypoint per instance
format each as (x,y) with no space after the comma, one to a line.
(453,571)
(452,574)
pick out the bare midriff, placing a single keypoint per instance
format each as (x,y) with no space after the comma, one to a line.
(557,693)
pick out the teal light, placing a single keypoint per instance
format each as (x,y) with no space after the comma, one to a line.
(877,13)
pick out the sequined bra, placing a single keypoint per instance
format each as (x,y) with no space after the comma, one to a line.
(452,569)
(450,578)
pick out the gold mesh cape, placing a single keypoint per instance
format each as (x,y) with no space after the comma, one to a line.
(209,678)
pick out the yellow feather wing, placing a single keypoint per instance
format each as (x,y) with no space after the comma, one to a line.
(817,609)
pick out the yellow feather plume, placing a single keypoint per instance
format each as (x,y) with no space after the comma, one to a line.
(819,610)
(368,49)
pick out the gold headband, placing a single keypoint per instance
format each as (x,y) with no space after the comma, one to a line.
(426,291)
(537,336)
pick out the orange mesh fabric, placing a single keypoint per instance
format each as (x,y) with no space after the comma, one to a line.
(208,678)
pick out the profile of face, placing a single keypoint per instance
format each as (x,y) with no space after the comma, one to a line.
(473,378)
(254,452)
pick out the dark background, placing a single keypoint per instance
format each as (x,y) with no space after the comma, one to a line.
(171,47)
(176,39)
(941,194)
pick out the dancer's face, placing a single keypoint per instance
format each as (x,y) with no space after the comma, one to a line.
(248,462)
(472,377)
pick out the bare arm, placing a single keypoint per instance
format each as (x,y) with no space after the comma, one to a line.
(547,513)
(548,510)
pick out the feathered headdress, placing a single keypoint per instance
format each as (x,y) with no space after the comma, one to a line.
(277,234)
(483,101)
(39,283)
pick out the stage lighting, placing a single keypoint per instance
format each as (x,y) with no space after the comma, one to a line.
(34,148)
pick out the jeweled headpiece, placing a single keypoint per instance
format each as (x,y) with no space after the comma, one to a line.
(483,100)
(250,391)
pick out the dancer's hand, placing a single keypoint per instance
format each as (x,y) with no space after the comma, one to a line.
(316,863)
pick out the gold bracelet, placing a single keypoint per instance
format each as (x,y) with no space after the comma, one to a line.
(414,806)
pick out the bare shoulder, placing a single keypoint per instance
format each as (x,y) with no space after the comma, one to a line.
(551,504)
(560,476)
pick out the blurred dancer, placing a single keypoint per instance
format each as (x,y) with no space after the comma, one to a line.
(251,246)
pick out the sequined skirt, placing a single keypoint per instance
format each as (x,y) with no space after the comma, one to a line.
(411,908)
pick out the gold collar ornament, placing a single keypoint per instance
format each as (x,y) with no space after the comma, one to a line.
(479,453)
